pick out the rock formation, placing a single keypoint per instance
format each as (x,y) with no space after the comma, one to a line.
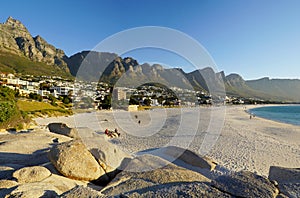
(31,174)
(79,161)
(287,179)
(16,39)
(63,129)
(73,160)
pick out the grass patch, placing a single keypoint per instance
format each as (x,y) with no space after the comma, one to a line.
(36,108)
(25,105)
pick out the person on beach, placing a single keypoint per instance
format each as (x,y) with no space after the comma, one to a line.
(139,122)
(116,131)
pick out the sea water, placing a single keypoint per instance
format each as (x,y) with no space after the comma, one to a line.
(286,114)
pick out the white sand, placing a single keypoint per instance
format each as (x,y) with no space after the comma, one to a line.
(243,144)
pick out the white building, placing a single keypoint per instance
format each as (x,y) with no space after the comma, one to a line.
(43,92)
(62,91)
(119,93)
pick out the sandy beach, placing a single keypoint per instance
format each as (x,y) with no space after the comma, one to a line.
(241,144)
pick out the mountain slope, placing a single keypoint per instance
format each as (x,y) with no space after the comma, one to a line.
(33,54)
(13,63)
(280,89)
(111,68)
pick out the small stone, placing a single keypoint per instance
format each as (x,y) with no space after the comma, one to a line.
(62,129)
(31,174)
(7,183)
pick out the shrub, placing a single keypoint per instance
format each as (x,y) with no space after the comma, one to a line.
(7,109)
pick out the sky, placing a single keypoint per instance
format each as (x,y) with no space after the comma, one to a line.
(254,38)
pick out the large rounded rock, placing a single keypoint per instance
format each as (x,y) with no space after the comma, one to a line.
(62,129)
(178,189)
(31,174)
(81,191)
(246,184)
(73,160)
(189,157)
(108,155)
(288,180)
(147,171)
(284,175)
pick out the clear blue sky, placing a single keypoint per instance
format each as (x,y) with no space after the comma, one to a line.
(254,38)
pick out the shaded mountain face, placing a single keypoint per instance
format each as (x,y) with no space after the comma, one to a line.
(127,72)
(16,39)
(110,68)
(92,63)
(207,79)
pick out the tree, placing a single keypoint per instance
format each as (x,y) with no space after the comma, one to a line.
(52,99)
(8,107)
(133,101)
(35,96)
(106,102)
(67,100)
(160,100)
(147,102)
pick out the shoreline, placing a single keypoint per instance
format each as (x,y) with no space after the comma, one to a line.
(273,119)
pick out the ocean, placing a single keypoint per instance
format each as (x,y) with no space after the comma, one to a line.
(286,114)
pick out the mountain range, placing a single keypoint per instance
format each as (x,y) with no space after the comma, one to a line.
(22,53)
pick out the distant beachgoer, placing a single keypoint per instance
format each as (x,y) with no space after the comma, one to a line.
(139,122)
(250,116)
(106,131)
(116,131)
(136,116)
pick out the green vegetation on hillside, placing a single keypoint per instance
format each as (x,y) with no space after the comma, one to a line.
(35,108)
(10,116)
(17,113)
(13,63)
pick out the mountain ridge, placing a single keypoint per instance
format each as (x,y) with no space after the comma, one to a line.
(22,53)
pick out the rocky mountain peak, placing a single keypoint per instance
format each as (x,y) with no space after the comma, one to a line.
(234,77)
(235,80)
(15,23)
(16,39)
